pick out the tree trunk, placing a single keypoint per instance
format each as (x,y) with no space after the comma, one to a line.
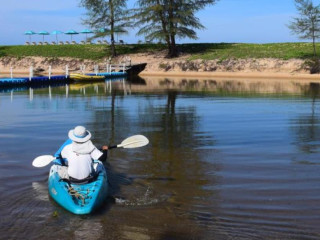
(172,49)
(313,24)
(164,28)
(314,46)
(113,47)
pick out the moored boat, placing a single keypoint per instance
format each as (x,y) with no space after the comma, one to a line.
(82,77)
(78,198)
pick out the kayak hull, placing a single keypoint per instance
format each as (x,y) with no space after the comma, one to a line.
(78,198)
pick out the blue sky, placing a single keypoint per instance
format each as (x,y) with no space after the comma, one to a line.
(249,21)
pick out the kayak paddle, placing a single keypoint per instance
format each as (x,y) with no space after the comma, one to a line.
(42,161)
(130,142)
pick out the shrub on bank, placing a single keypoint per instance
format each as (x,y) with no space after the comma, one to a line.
(313,65)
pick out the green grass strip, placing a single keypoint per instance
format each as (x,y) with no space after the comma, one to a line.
(204,51)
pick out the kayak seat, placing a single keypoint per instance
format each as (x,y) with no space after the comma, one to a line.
(91,178)
(86,180)
(70,180)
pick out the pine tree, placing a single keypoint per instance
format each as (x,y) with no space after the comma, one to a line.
(108,16)
(170,19)
(307,25)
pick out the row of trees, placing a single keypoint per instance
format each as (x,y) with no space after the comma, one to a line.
(162,20)
(167,20)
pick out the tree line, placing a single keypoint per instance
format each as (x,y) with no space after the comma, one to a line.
(167,20)
(161,20)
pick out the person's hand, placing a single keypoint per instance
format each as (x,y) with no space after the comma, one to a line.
(105,147)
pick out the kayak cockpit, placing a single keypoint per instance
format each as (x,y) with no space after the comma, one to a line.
(79,198)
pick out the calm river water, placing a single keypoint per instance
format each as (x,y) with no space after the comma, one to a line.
(226,159)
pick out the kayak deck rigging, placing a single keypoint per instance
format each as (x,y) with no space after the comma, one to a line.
(79,194)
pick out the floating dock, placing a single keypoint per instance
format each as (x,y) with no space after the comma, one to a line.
(130,70)
(5,82)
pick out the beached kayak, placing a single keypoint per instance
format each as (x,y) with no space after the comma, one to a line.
(82,77)
(80,198)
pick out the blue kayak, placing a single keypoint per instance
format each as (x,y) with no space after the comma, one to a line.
(78,198)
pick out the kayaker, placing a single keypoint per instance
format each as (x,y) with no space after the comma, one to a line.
(80,154)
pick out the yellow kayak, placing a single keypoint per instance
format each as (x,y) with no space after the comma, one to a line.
(82,77)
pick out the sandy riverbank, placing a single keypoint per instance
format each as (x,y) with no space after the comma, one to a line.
(158,65)
(265,68)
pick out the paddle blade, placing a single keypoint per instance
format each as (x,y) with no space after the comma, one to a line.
(134,142)
(42,161)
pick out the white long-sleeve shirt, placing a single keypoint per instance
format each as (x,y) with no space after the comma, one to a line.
(79,165)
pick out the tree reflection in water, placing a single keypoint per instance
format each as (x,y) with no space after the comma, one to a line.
(174,165)
(306,127)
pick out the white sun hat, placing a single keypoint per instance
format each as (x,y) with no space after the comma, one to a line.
(79,134)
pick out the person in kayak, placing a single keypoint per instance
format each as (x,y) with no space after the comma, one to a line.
(80,154)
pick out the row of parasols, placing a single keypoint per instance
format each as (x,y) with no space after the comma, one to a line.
(70,32)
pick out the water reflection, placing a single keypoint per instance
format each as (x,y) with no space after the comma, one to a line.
(251,86)
(72,89)
(151,84)
(306,126)
(224,160)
